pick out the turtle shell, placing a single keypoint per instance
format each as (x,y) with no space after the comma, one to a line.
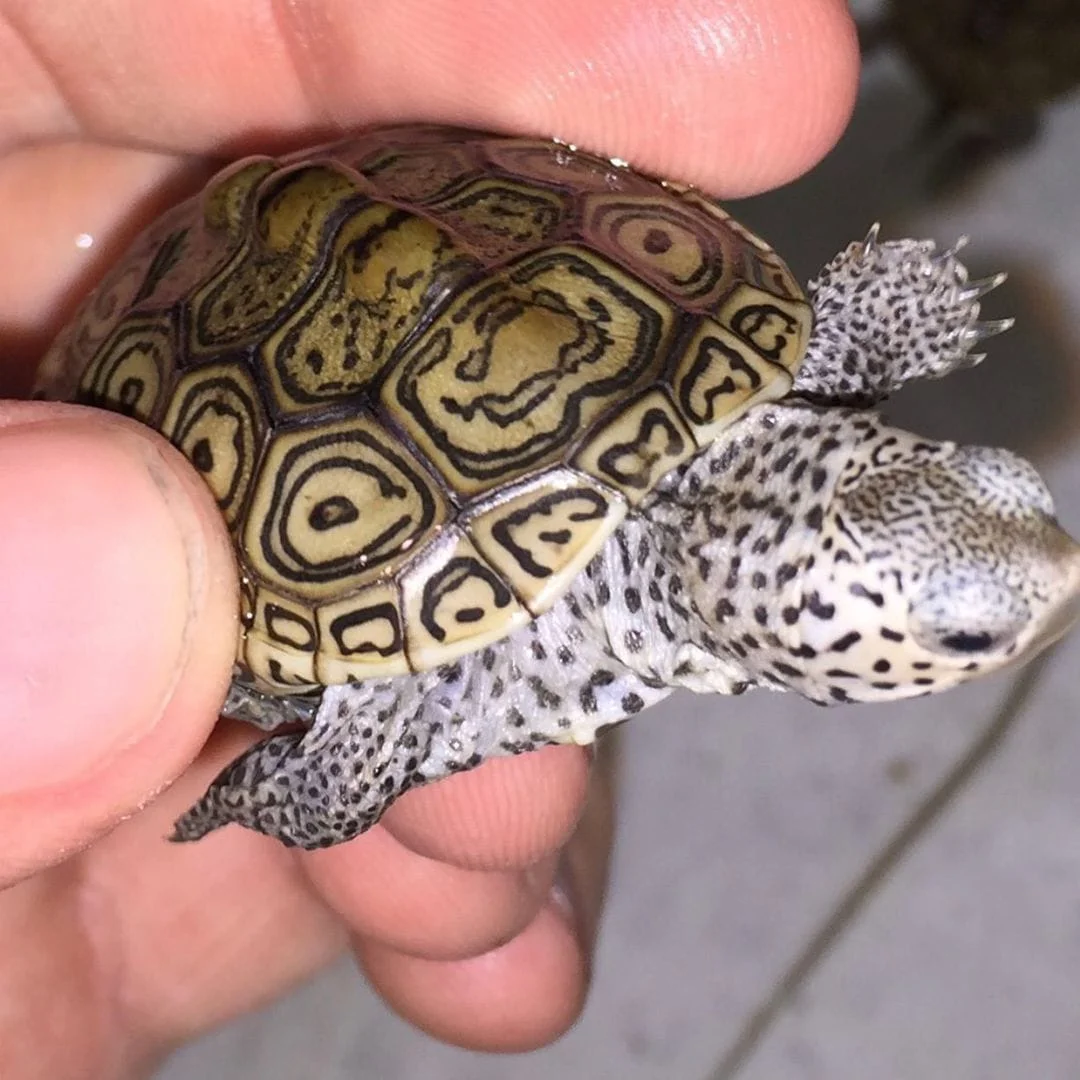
(426,372)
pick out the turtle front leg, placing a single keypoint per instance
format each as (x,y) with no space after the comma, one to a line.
(889,312)
(270,789)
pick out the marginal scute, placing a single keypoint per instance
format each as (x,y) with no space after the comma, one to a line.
(710,209)
(131,369)
(279,646)
(455,602)
(417,173)
(167,250)
(361,633)
(335,505)
(546,162)
(632,451)
(718,376)
(771,274)
(777,327)
(524,361)
(545,532)
(247,601)
(215,417)
(410,140)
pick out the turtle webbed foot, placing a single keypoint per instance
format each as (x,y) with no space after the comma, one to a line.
(304,798)
(888,312)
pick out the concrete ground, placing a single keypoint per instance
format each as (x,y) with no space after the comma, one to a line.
(797,893)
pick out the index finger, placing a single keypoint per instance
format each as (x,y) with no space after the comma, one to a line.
(736,95)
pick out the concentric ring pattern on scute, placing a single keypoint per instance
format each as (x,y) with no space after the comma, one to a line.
(426,372)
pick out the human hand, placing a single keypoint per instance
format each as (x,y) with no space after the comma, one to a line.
(119,593)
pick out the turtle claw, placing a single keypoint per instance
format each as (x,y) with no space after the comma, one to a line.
(980,331)
(976,290)
(997,326)
(962,242)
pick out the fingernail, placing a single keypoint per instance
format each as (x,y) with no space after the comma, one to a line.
(99,555)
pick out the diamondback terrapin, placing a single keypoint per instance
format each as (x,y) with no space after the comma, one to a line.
(513,441)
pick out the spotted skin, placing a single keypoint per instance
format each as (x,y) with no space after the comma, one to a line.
(890,312)
(556,680)
(810,547)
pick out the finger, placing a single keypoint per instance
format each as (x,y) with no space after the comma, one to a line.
(61,236)
(423,907)
(138,944)
(197,934)
(163,941)
(516,997)
(149,943)
(48,984)
(735,94)
(511,813)
(462,865)
(118,626)
(453,1000)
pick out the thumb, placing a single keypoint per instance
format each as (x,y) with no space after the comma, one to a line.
(117,624)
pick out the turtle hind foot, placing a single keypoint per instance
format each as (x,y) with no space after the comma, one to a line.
(887,312)
(278,789)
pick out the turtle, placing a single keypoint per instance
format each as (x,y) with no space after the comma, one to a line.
(990,67)
(514,440)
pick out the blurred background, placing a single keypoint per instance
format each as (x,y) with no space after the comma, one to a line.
(890,892)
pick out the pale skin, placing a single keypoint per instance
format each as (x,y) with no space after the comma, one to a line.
(119,594)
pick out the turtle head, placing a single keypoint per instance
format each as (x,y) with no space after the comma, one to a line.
(935,563)
(864,563)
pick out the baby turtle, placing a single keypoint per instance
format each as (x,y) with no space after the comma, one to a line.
(513,441)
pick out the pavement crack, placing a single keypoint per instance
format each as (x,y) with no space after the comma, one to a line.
(855,899)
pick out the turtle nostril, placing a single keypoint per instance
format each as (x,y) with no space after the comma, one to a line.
(962,641)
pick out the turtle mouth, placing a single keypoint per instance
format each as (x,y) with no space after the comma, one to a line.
(1062,619)
(1064,611)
